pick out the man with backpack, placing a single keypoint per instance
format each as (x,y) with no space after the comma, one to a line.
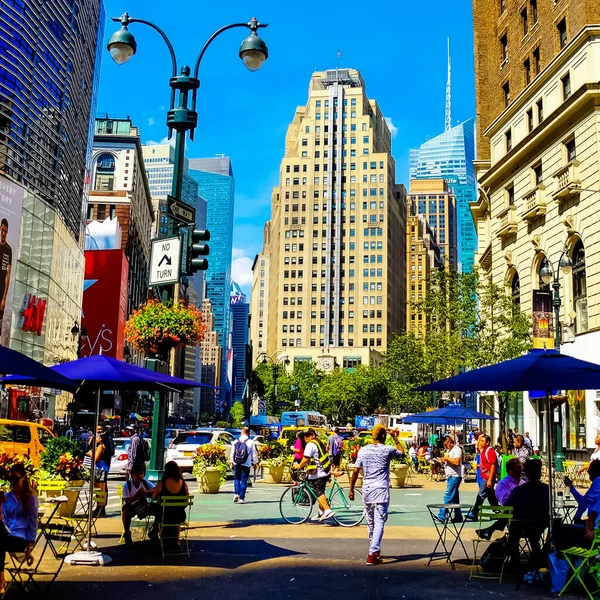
(488,468)
(335,447)
(243,456)
(138,452)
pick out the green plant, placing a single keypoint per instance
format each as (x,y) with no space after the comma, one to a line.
(156,327)
(9,459)
(210,455)
(275,454)
(237,414)
(55,449)
(221,424)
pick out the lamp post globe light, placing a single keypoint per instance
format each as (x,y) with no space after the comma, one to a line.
(181,118)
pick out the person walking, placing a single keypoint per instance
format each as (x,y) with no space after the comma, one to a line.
(452,461)
(374,460)
(487,468)
(243,456)
(335,447)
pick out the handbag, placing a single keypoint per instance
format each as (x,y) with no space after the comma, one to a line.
(87,462)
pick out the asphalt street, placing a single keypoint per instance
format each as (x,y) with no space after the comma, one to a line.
(248,551)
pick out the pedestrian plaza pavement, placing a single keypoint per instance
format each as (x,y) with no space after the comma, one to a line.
(248,551)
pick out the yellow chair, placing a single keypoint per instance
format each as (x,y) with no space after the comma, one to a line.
(423,466)
(180,529)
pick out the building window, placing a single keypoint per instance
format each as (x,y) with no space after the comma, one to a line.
(566,85)
(502,6)
(530,120)
(540,110)
(579,288)
(536,61)
(538,174)
(504,48)
(105,173)
(510,195)
(515,290)
(508,140)
(524,22)
(506,92)
(562,33)
(527,69)
(571,150)
(534,11)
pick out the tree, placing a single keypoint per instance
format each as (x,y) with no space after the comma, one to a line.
(237,414)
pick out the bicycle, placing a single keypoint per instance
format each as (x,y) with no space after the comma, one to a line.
(296,503)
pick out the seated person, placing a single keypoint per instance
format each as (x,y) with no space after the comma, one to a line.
(531,510)
(135,495)
(589,499)
(412,453)
(505,486)
(171,484)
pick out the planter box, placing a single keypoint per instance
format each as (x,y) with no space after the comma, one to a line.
(398,476)
(272,474)
(210,482)
(359,481)
(67,508)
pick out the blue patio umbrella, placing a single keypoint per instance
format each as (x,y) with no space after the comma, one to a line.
(97,372)
(451,412)
(16,363)
(427,417)
(539,370)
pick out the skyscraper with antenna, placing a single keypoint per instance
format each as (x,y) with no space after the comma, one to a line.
(450,156)
(448,122)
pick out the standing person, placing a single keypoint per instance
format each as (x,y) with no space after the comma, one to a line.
(375,460)
(102,464)
(520,450)
(298,449)
(5,268)
(412,453)
(318,466)
(335,447)
(452,461)
(487,469)
(527,441)
(138,451)
(243,456)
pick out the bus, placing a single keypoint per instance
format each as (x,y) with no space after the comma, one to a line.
(303,418)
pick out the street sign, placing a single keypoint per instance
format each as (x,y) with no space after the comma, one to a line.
(176,209)
(164,261)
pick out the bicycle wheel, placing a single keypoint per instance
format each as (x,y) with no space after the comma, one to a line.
(295,504)
(348,513)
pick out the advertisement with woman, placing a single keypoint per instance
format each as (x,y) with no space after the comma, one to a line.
(11,205)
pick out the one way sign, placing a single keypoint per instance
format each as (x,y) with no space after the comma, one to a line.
(164,262)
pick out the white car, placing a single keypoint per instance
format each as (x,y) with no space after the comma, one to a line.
(183,448)
(118,463)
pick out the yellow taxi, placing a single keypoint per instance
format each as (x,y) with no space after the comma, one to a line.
(23,437)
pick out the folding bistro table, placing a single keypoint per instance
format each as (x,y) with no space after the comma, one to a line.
(447,529)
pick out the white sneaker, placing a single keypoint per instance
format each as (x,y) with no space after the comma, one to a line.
(236,498)
(318,516)
(327,515)
(241,501)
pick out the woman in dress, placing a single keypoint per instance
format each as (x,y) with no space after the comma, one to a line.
(18,519)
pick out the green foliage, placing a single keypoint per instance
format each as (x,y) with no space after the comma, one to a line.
(237,414)
(55,449)
(210,455)
(221,424)
(275,453)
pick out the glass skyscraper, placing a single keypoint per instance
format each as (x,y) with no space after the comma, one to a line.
(49,69)
(450,156)
(240,310)
(217,186)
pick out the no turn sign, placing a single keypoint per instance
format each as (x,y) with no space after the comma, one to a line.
(164,261)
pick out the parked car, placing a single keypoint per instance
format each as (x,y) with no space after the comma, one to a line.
(118,463)
(183,447)
(24,437)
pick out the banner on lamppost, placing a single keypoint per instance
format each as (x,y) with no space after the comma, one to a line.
(11,206)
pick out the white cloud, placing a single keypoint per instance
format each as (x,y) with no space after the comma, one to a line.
(241,268)
(165,140)
(150,121)
(392,127)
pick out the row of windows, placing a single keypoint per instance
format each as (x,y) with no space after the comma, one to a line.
(325,180)
(335,102)
(365,166)
(313,342)
(304,141)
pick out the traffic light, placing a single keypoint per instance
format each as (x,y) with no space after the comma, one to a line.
(197,250)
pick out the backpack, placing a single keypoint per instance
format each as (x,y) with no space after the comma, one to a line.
(240,453)
(145,448)
(338,445)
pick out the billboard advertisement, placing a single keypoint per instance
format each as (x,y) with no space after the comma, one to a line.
(104,303)
(11,205)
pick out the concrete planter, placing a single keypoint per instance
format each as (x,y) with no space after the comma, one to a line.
(67,508)
(398,476)
(210,482)
(272,474)
(359,481)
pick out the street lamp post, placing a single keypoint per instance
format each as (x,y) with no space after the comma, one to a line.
(548,274)
(181,118)
(275,371)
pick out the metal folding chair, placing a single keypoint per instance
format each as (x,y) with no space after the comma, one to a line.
(487,516)
(587,556)
(142,526)
(175,534)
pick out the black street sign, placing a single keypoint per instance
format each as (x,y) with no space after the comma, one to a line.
(180,211)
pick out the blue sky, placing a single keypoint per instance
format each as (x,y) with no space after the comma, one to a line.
(399,48)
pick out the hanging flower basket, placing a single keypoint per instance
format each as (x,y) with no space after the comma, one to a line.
(156,327)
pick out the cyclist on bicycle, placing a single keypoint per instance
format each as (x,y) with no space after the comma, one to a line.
(318,467)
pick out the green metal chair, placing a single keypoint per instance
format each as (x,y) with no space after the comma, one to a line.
(588,563)
(177,533)
(487,516)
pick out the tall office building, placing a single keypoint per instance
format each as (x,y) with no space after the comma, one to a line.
(240,310)
(50,57)
(336,290)
(159,160)
(437,205)
(259,297)
(217,186)
(450,156)
(210,358)
(538,143)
